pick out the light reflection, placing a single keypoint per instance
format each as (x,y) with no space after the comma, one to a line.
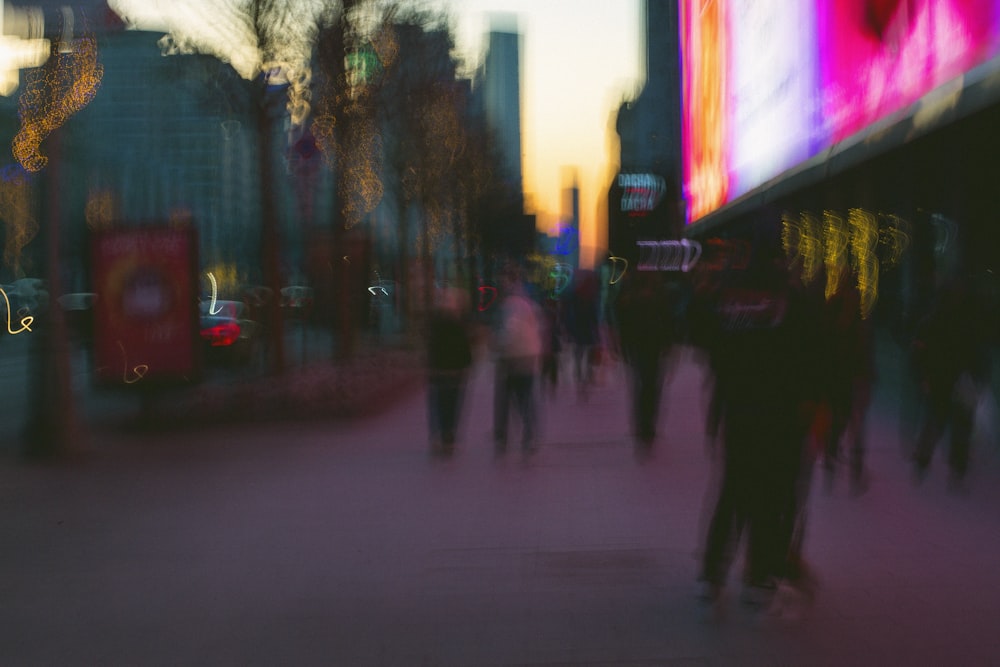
(487,296)
(864,243)
(26,320)
(616,272)
(836,244)
(136,373)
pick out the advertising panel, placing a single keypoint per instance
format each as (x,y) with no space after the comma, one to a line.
(769,84)
(145,314)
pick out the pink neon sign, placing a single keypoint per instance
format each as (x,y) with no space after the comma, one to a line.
(768,84)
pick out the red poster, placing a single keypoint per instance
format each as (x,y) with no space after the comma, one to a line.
(145,314)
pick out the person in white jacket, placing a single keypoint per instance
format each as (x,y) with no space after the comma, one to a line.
(518,349)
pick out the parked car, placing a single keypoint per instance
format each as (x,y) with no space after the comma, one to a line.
(228,333)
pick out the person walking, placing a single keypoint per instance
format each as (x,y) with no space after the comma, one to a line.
(449,356)
(848,380)
(552,346)
(644,315)
(950,355)
(765,391)
(518,347)
(583,324)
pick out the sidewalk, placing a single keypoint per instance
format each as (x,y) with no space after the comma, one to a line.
(346,544)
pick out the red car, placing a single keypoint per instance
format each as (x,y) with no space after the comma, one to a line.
(229,335)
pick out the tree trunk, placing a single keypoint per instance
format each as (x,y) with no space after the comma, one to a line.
(269,237)
(52,428)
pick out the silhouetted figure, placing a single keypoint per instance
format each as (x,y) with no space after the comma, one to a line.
(583,324)
(552,345)
(951,358)
(518,348)
(449,356)
(645,316)
(848,378)
(764,386)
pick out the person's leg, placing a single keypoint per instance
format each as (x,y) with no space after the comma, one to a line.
(433,412)
(962,422)
(857,433)
(647,396)
(523,389)
(449,410)
(728,520)
(501,405)
(938,404)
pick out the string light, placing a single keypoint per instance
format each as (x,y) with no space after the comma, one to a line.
(66,83)
(835,250)
(864,240)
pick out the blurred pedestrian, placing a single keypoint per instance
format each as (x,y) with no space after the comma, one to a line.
(644,313)
(449,357)
(950,355)
(552,346)
(583,324)
(848,377)
(518,346)
(764,384)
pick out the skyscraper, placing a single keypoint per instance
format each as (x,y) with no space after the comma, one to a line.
(501,94)
(645,200)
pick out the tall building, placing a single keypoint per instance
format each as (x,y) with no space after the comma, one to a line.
(501,95)
(645,200)
(509,230)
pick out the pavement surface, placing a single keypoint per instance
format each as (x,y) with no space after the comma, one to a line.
(345,543)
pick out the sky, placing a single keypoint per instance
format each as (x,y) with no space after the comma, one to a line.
(580,59)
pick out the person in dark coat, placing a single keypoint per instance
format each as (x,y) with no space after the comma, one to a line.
(848,379)
(583,325)
(950,354)
(449,356)
(765,386)
(645,317)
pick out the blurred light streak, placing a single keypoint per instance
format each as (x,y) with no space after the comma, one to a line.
(836,241)
(17,54)
(895,237)
(485,303)
(25,320)
(138,372)
(215,295)
(864,242)
(562,276)
(705,119)
(617,274)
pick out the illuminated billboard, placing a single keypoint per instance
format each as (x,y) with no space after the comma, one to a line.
(145,315)
(769,84)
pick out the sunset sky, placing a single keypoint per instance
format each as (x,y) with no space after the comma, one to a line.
(581,58)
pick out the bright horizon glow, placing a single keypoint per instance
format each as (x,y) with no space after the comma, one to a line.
(580,60)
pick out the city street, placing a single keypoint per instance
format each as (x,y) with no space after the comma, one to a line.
(345,543)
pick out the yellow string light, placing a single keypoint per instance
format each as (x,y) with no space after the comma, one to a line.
(835,250)
(66,83)
(864,240)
